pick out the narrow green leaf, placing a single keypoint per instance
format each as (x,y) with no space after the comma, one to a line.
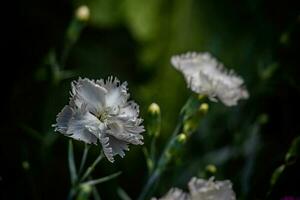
(102,180)
(122,194)
(96,194)
(149,161)
(84,156)
(276,174)
(294,151)
(72,166)
(91,168)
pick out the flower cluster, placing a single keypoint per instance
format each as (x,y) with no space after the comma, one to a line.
(100,110)
(201,189)
(205,75)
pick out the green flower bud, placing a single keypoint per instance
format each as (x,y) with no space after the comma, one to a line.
(83,13)
(154,120)
(85,191)
(201,96)
(154,109)
(26,165)
(211,169)
(204,108)
(181,138)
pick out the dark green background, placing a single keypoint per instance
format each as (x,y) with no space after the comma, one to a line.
(134,40)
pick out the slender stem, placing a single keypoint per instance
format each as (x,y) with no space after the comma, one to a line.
(122,194)
(96,194)
(163,159)
(160,167)
(103,179)
(72,166)
(83,159)
(149,184)
(152,149)
(92,167)
(71,194)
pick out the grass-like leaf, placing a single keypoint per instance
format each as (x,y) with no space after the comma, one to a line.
(102,180)
(122,194)
(72,166)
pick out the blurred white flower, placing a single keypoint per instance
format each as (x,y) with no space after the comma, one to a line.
(100,110)
(205,75)
(200,189)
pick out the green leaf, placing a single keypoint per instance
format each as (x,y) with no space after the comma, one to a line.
(102,180)
(72,166)
(96,194)
(84,156)
(91,168)
(293,152)
(122,194)
(276,174)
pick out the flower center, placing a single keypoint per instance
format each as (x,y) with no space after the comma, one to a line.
(103,116)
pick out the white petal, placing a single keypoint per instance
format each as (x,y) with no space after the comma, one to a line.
(205,75)
(201,189)
(112,146)
(117,94)
(108,151)
(129,111)
(118,146)
(87,92)
(72,122)
(125,132)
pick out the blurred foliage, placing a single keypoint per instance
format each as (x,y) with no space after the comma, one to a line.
(133,40)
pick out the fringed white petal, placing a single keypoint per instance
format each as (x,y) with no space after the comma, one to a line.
(108,151)
(87,92)
(117,94)
(205,75)
(72,122)
(118,146)
(124,132)
(99,110)
(201,189)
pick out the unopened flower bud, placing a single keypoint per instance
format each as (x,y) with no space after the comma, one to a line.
(211,169)
(189,126)
(201,96)
(26,165)
(83,13)
(181,138)
(85,191)
(204,108)
(154,120)
(154,109)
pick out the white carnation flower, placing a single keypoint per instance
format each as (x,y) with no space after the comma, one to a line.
(205,75)
(100,110)
(201,189)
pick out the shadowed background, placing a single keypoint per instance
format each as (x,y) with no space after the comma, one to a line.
(134,40)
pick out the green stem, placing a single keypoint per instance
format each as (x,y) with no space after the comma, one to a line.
(72,166)
(71,194)
(152,149)
(87,173)
(103,179)
(160,167)
(164,158)
(84,156)
(92,167)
